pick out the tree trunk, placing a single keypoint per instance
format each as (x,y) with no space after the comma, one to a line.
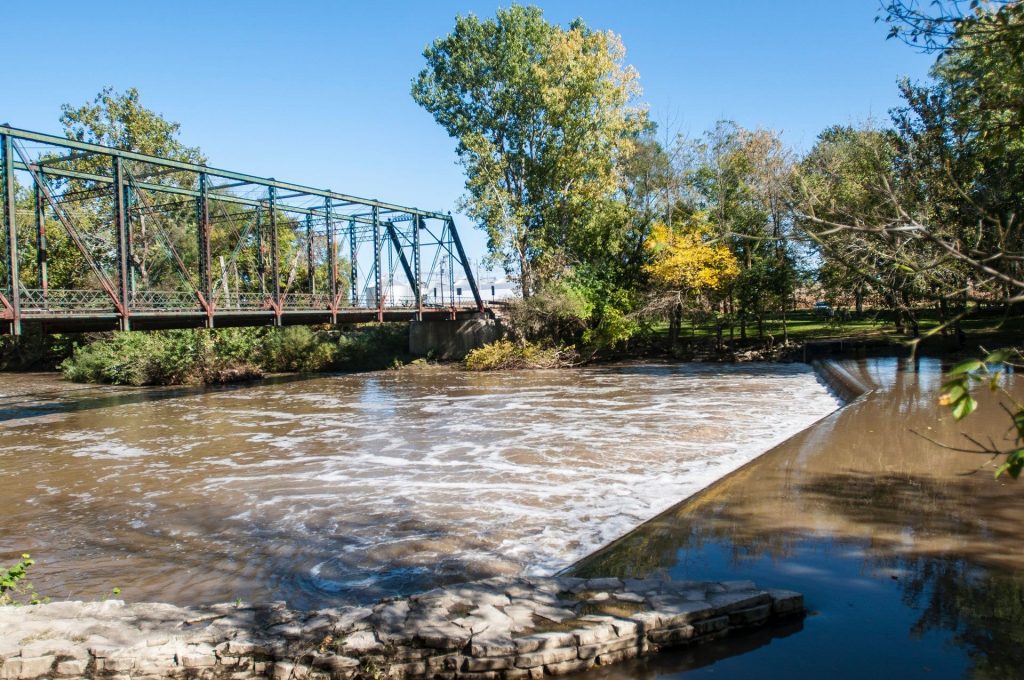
(897,309)
(675,323)
(915,328)
(525,275)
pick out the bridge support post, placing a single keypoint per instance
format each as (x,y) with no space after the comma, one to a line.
(377,274)
(13,306)
(205,257)
(41,254)
(275,263)
(123,256)
(466,266)
(353,274)
(332,261)
(261,264)
(310,274)
(418,287)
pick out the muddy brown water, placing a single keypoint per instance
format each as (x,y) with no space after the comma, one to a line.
(346,488)
(909,554)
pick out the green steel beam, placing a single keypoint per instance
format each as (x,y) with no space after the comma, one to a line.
(121,233)
(466,265)
(214,172)
(409,274)
(275,258)
(11,232)
(179,191)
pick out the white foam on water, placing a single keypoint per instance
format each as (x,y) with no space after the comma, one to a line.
(417,473)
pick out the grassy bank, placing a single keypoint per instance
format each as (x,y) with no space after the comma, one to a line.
(980,328)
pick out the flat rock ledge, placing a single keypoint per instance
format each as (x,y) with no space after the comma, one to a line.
(496,628)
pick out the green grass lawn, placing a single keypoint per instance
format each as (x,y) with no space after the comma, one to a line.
(805,325)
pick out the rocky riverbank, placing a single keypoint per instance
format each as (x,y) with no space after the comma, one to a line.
(496,628)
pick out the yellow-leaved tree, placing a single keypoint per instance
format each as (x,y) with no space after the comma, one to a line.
(686,268)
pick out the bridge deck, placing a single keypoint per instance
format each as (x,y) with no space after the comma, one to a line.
(80,310)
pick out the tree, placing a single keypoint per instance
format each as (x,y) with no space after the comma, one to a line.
(542,115)
(936,210)
(844,180)
(687,267)
(741,179)
(119,120)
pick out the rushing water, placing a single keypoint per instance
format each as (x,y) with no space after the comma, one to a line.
(346,488)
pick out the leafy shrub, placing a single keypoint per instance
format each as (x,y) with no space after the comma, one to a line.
(297,348)
(34,350)
(194,356)
(177,357)
(120,358)
(559,311)
(14,586)
(505,354)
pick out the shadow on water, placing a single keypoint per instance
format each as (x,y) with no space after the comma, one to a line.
(65,397)
(321,566)
(673,661)
(911,565)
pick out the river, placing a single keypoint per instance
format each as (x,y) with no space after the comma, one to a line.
(905,546)
(337,489)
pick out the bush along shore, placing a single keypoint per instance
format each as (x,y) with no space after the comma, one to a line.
(200,356)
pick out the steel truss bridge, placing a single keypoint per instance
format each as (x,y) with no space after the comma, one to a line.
(96,238)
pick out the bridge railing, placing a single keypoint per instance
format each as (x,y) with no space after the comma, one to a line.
(317,301)
(163,301)
(59,301)
(242,302)
(74,302)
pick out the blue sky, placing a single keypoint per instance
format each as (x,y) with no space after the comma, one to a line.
(318,92)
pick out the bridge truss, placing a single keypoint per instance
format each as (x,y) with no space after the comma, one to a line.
(97,238)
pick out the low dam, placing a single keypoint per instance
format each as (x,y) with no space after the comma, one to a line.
(343,489)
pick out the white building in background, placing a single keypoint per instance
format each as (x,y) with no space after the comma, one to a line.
(492,289)
(397,295)
(497,289)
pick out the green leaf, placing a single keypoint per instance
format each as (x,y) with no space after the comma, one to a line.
(1018,423)
(1000,356)
(968,366)
(1014,464)
(993,382)
(954,394)
(964,407)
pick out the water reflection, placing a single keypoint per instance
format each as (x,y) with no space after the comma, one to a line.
(909,557)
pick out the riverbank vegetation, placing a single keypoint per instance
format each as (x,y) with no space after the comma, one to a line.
(623,235)
(180,357)
(505,354)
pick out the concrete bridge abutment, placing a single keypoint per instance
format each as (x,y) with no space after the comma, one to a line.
(451,340)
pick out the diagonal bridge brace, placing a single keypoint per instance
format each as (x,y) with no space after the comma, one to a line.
(207,305)
(65,220)
(393,233)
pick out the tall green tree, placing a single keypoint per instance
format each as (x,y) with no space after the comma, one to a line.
(119,119)
(542,116)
